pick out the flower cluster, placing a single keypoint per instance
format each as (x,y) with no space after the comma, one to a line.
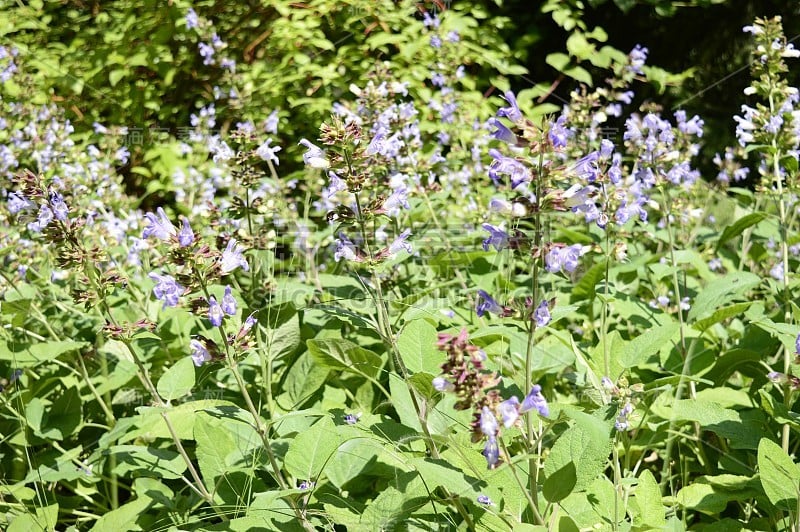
(464,376)
(373,163)
(211,44)
(626,397)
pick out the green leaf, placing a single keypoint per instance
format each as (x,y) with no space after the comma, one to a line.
(59,420)
(580,74)
(304,378)
(557,60)
(311,450)
(178,380)
(721,314)
(348,316)
(124,517)
(648,496)
(742,432)
(225,446)
(702,498)
(417,346)
(737,228)
(721,292)
(40,352)
(137,460)
(440,473)
(282,335)
(357,458)
(638,350)
(586,445)
(779,475)
(560,484)
(578,46)
(585,288)
(340,354)
(116,75)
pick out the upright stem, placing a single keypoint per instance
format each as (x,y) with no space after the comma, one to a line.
(385,329)
(533,462)
(787,310)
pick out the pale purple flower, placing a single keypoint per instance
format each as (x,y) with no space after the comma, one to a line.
(60,210)
(488,422)
(442,385)
(122,155)
(233,257)
(502,132)
(192,21)
(430,21)
(267,152)
(637,57)
(484,500)
(166,289)
(563,258)
(314,156)
(693,126)
(17,202)
(271,124)
(228,302)
(497,238)
(215,313)
(351,419)
(207,53)
(542,314)
(509,411)
(186,235)
(587,168)
(158,226)
(558,133)
(487,304)
(248,324)
(397,199)
(502,165)
(337,184)
(200,354)
(376,145)
(492,452)
(606,149)
(42,220)
(217,42)
(535,401)
(346,249)
(400,243)
(777,271)
(511,112)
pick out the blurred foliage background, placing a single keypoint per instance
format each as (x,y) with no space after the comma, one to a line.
(137,63)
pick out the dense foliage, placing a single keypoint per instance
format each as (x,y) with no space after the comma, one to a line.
(300,266)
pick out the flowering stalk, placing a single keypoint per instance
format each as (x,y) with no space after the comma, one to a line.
(534,463)
(261,429)
(773,130)
(65,233)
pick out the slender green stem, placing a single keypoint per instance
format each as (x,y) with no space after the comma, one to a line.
(522,487)
(787,309)
(261,429)
(192,470)
(385,329)
(533,463)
